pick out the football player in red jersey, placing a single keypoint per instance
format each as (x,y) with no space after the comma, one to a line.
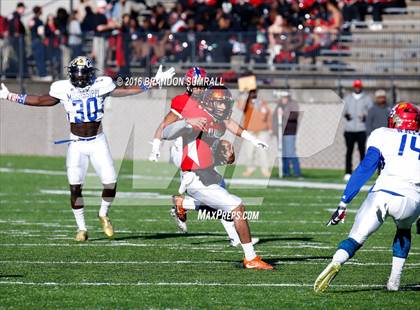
(199,178)
(180,107)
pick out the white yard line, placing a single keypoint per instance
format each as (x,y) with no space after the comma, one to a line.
(191,284)
(247,182)
(313,261)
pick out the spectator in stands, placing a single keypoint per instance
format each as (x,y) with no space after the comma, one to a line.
(102,32)
(354,12)
(378,7)
(75,35)
(257,120)
(36,27)
(378,114)
(287,111)
(89,21)
(52,42)
(4,48)
(356,107)
(17,34)
(281,37)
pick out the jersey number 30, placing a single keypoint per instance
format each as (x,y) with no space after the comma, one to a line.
(91,110)
(412,145)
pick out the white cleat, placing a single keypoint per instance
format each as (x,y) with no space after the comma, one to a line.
(347,177)
(393,285)
(182,226)
(236,244)
(325,278)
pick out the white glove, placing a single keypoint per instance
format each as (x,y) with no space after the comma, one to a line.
(155,154)
(257,143)
(339,214)
(162,76)
(4,92)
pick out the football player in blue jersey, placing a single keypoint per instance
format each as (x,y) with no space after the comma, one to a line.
(396,193)
(83,96)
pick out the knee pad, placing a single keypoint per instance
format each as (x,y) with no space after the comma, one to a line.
(402,243)
(76,196)
(109,191)
(350,246)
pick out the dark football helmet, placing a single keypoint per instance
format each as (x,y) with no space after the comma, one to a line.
(218,101)
(404,115)
(81,72)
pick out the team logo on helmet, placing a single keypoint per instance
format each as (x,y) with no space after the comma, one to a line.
(195,78)
(404,115)
(218,101)
(81,72)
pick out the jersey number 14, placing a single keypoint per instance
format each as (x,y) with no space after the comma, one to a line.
(412,145)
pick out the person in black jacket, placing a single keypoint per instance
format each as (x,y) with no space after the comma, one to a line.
(17,34)
(36,27)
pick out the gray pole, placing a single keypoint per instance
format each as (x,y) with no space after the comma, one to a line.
(71,6)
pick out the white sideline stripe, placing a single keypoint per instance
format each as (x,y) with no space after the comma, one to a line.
(183,247)
(140,195)
(249,182)
(191,284)
(279,262)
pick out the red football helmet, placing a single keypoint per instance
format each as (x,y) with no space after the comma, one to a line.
(404,115)
(194,78)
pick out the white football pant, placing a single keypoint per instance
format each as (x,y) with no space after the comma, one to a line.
(97,150)
(377,207)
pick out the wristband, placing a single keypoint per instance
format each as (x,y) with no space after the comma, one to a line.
(143,87)
(247,136)
(19,98)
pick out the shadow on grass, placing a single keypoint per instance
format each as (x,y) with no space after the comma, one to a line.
(11,275)
(159,236)
(405,288)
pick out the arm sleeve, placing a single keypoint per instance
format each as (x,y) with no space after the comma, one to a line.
(362,174)
(176,130)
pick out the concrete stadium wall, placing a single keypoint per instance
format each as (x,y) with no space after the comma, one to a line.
(130,123)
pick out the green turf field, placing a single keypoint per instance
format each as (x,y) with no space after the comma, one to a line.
(150,266)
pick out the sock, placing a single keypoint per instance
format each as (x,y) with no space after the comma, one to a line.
(249,251)
(341,256)
(103,211)
(231,231)
(397,267)
(79,215)
(189,203)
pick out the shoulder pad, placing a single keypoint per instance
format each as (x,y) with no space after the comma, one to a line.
(59,89)
(104,84)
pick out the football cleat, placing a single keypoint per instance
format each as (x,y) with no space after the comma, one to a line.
(81,236)
(106,226)
(393,285)
(418,226)
(236,244)
(325,278)
(257,263)
(179,213)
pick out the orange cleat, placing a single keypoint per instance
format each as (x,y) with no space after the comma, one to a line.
(180,212)
(257,263)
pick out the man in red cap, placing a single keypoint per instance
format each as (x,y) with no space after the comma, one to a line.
(356,106)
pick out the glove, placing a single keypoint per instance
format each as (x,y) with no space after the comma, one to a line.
(162,76)
(339,214)
(4,92)
(257,143)
(155,154)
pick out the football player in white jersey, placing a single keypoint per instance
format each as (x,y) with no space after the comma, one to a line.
(83,96)
(396,193)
